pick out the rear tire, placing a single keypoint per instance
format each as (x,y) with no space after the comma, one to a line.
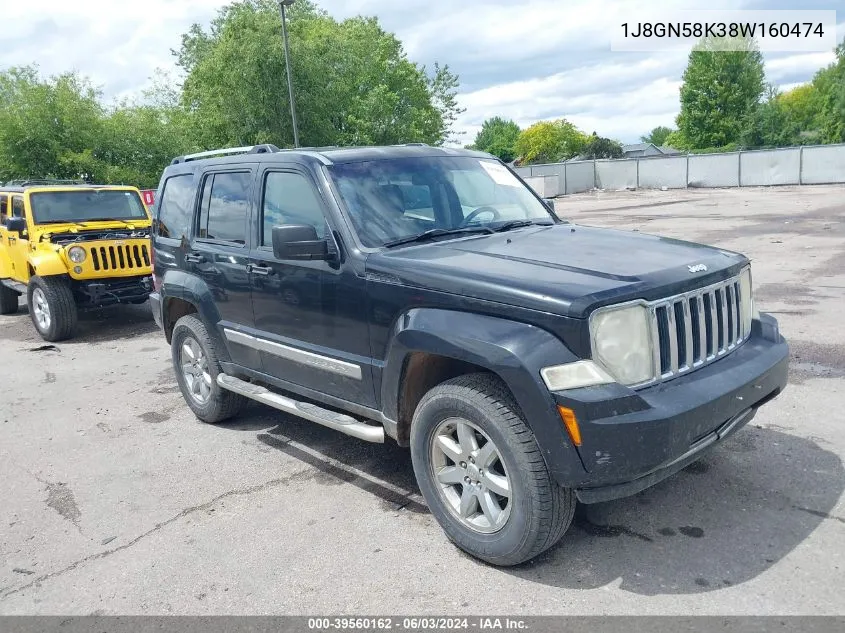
(518,510)
(197,366)
(8,300)
(52,308)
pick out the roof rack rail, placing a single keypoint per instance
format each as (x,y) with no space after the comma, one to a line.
(31,182)
(265,148)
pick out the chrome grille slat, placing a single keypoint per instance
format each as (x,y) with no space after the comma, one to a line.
(673,339)
(655,338)
(702,331)
(689,358)
(732,324)
(723,333)
(714,326)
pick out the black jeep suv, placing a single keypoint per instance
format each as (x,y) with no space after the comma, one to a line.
(429,295)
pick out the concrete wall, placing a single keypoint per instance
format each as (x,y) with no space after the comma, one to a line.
(820,164)
(616,174)
(580,176)
(778,167)
(713,170)
(545,186)
(663,172)
(823,164)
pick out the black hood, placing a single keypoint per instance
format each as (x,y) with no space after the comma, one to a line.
(563,269)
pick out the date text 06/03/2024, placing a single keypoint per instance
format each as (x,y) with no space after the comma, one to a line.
(416,624)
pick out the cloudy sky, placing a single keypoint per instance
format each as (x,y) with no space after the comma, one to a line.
(523,59)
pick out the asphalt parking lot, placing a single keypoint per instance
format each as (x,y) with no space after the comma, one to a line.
(114,499)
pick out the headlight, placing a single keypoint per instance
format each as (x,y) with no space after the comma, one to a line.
(746,301)
(621,341)
(77,254)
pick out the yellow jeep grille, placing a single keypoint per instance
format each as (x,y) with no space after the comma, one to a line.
(114,259)
(122,257)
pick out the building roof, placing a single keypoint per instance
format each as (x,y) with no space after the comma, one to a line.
(644,147)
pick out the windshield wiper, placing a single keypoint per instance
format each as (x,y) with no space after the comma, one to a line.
(431,233)
(109,220)
(518,224)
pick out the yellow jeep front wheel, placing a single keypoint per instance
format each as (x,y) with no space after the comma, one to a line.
(52,308)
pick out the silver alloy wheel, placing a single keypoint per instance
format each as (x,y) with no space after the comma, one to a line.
(41,309)
(195,370)
(470,475)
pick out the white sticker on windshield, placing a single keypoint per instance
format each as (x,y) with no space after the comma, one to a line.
(499,174)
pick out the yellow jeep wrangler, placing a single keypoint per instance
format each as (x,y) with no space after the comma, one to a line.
(70,247)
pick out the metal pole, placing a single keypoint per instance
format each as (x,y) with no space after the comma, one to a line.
(290,79)
(801,165)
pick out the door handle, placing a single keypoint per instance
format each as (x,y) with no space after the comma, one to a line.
(194,258)
(265,271)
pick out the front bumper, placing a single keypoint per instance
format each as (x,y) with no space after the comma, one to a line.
(633,439)
(112,291)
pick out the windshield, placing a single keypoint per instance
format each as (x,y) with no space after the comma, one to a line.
(87,205)
(388,200)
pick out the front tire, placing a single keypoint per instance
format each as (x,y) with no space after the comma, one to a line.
(482,474)
(8,300)
(197,366)
(52,308)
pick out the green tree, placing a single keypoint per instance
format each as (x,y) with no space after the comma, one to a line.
(720,94)
(657,136)
(830,83)
(58,127)
(676,139)
(45,126)
(550,142)
(498,136)
(802,107)
(353,82)
(771,125)
(600,147)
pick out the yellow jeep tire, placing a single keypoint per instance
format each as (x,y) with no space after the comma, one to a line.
(52,308)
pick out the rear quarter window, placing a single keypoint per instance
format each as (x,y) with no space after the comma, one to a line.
(176,207)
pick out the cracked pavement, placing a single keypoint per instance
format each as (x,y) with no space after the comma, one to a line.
(114,499)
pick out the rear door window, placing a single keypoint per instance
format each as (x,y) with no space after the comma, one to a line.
(224,207)
(175,209)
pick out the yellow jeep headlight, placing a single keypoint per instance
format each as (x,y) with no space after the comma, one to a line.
(77,254)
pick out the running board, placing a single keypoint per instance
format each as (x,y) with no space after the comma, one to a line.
(337,421)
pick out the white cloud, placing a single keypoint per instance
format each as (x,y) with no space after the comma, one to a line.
(529,60)
(118,44)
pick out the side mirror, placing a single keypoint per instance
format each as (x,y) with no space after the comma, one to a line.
(298,241)
(550,203)
(16,225)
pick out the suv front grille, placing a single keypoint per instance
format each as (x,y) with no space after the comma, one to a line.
(696,328)
(123,257)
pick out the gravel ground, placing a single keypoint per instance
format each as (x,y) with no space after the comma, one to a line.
(114,499)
